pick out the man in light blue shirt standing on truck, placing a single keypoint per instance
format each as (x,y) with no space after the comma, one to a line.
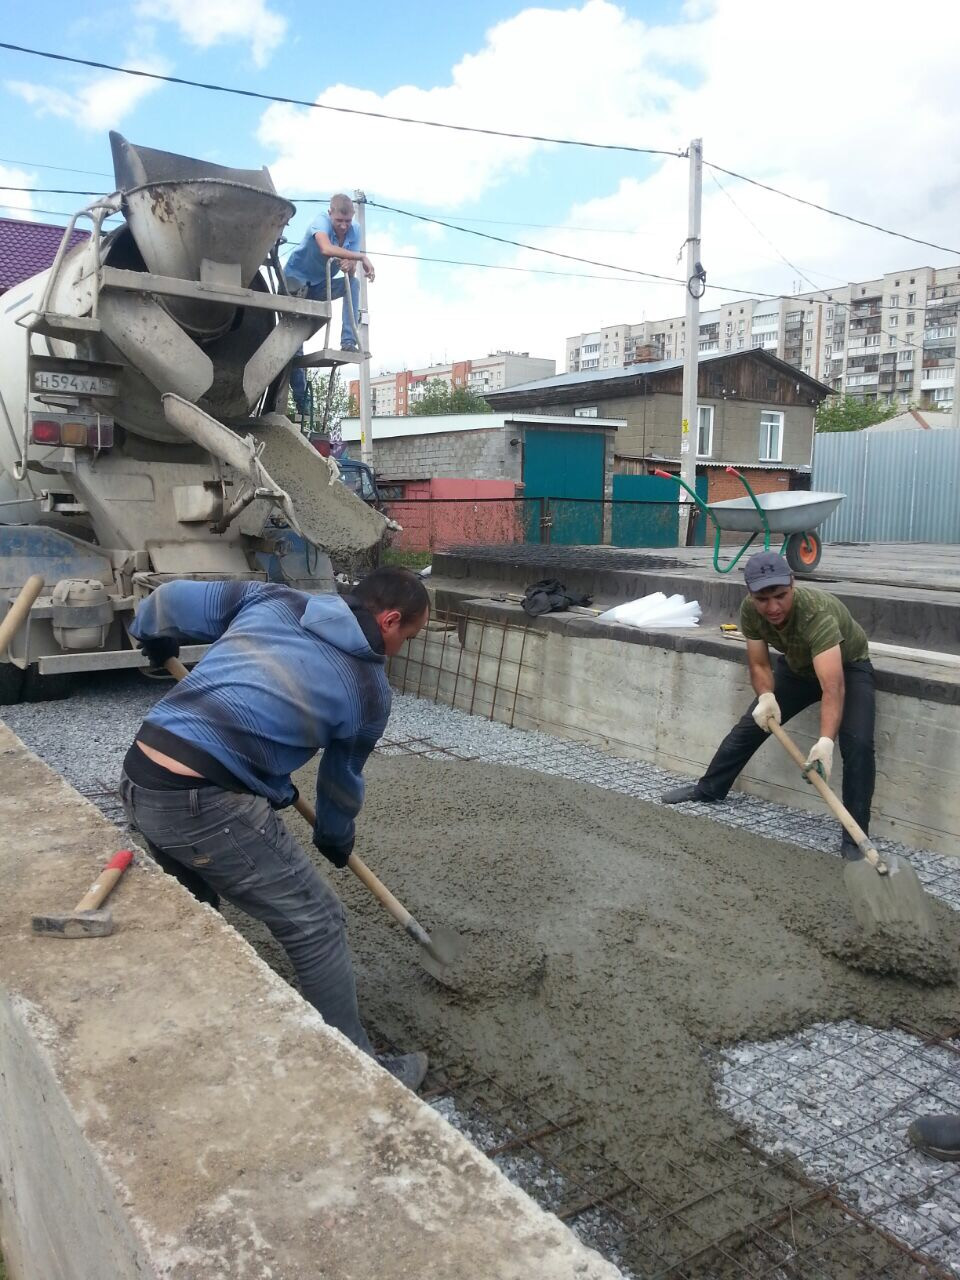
(331,238)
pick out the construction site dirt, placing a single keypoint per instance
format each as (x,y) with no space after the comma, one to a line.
(614,946)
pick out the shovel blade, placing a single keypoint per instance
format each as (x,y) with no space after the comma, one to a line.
(896,899)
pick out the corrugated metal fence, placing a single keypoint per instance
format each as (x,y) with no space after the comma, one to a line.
(901,486)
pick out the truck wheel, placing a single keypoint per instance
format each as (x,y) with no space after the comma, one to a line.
(11,684)
(38,688)
(803,552)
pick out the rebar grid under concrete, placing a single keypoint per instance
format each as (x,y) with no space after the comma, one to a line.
(839,1098)
(790,1227)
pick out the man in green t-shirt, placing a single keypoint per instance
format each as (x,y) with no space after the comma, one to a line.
(826,659)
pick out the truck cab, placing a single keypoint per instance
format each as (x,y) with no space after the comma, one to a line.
(357,476)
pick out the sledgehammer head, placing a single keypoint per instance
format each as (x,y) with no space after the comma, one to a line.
(87,919)
(83,924)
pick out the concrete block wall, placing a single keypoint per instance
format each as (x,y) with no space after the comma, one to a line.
(670,701)
(169,1107)
(479,454)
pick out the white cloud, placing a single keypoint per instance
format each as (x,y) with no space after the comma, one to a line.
(17,204)
(97,104)
(578,72)
(803,105)
(204,23)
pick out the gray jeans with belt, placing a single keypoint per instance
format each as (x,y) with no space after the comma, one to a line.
(238,845)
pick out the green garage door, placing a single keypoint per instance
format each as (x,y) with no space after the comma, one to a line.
(566,467)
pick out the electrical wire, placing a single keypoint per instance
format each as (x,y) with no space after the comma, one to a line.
(461,128)
(325,106)
(59,168)
(834,213)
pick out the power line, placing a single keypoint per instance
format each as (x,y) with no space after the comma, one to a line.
(461,128)
(324,106)
(835,213)
(36,164)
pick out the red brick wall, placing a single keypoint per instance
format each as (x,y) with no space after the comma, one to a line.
(451,518)
(721,486)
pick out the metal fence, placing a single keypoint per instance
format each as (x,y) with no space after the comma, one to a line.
(901,486)
(434,524)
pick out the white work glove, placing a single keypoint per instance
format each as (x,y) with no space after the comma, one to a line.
(767,708)
(820,758)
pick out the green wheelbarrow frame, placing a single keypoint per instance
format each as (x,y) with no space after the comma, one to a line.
(764,523)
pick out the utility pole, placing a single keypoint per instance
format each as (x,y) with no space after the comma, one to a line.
(366,423)
(691,371)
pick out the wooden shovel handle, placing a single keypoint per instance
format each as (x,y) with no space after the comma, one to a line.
(362,871)
(18,611)
(839,811)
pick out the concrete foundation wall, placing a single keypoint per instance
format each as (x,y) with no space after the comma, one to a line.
(169,1107)
(669,700)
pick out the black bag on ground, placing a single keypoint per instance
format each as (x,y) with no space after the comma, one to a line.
(550,596)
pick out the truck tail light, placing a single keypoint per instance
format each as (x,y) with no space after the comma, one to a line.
(46,431)
(73,433)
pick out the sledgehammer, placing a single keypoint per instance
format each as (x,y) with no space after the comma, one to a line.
(87,920)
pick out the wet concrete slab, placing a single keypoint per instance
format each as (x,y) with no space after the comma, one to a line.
(170,1107)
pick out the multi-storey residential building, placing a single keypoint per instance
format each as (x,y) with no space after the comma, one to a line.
(394,394)
(892,339)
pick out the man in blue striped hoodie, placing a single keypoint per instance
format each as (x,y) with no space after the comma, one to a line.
(288,674)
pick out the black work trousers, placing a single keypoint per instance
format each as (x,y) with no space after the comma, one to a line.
(793,693)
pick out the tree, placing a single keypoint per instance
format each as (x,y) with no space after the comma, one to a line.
(341,405)
(440,398)
(847,413)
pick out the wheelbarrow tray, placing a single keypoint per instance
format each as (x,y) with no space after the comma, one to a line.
(799,511)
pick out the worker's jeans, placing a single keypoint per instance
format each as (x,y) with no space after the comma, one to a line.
(348,335)
(793,693)
(242,850)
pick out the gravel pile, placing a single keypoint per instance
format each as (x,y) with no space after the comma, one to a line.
(840,1097)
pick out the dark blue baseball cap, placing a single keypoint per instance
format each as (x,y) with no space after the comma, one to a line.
(766,569)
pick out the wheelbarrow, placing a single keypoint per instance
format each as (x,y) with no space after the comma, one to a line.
(796,515)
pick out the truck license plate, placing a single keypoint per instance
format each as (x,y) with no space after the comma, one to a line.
(77,384)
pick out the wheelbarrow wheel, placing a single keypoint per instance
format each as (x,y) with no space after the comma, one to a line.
(803,552)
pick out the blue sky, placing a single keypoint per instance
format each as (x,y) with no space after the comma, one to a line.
(755,78)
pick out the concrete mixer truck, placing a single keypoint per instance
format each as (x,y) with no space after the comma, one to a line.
(143,436)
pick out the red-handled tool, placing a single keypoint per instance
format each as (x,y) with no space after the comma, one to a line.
(87,920)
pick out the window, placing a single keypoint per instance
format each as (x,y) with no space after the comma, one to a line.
(911,317)
(729,327)
(728,343)
(807,352)
(771,435)
(908,337)
(829,330)
(704,430)
(739,344)
(892,340)
(894,321)
(739,326)
(911,299)
(809,335)
(894,299)
(913,279)
(829,313)
(605,362)
(588,412)
(838,346)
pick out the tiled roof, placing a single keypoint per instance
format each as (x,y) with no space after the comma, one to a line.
(28,247)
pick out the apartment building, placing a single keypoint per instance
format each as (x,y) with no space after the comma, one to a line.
(394,394)
(892,339)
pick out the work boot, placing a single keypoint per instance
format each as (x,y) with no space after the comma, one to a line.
(849,851)
(690,791)
(937,1136)
(408,1068)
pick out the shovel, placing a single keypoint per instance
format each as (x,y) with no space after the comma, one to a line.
(439,949)
(884,892)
